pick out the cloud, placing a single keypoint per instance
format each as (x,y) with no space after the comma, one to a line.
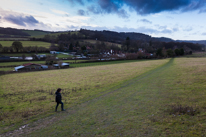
(175,29)
(196,5)
(188,29)
(21,20)
(169,17)
(161,27)
(108,7)
(145,21)
(126,29)
(76,1)
(14,19)
(81,12)
(142,7)
(59,12)
(204,34)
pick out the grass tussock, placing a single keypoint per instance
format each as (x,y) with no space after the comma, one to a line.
(178,109)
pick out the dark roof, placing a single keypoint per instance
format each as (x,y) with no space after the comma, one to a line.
(28,64)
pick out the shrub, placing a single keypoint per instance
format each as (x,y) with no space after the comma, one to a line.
(170,53)
(182,52)
(177,52)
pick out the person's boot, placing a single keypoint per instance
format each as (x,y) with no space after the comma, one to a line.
(63,109)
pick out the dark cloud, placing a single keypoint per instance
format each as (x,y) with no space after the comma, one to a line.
(81,12)
(144,7)
(196,5)
(107,6)
(21,20)
(122,13)
(94,9)
(145,21)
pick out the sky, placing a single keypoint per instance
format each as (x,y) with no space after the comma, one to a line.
(176,19)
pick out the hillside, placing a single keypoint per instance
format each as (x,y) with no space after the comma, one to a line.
(194,41)
(11,32)
(105,35)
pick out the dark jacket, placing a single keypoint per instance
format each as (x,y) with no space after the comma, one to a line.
(58,97)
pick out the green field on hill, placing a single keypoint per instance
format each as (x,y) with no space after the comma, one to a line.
(108,43)
(55,34)
(146,98)
(27,43)
(60,56)
(35,33)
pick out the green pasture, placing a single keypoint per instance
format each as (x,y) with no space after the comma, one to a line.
(34,33)
(38,62)
(79,63)
(197,55)
(27,43)
(94,42)
(101,63)
(55,34)
(30,54)
(14,39)
(20,54)
(146,98)
(35,91)
(7,69)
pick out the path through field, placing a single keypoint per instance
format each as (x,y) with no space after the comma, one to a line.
(136,108)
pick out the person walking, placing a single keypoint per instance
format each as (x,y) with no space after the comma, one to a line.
(59,99)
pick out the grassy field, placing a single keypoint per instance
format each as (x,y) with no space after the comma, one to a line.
(14,39)
(37,62)
(102,63)
(27,43)
(197,55)
(32,94)
(34,33)
(30,54)
(7,69)
(55,34)
(147,98)
(94,42)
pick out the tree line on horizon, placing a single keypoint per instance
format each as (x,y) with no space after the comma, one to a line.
(133,43)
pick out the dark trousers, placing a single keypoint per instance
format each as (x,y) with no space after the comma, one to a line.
(62,105)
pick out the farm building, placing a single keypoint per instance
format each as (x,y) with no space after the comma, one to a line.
(30,66)
(63,65)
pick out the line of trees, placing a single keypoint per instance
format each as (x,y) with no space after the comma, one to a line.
(17,47)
